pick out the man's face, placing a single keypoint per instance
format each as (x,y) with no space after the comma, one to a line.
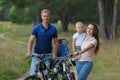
(45,17)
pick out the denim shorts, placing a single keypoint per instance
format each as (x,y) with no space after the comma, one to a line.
(35,61)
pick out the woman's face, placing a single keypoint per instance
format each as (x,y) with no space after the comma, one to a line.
(90,29)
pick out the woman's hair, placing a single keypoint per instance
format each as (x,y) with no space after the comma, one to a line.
(96,35)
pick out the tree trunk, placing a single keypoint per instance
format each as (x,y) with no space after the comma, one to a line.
(108,19)
(102,20)
(38,17)
(114,22)
(64,21)
(65,26)
(108,8)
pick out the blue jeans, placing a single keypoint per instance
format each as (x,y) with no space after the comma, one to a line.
(35,61)
(83,69)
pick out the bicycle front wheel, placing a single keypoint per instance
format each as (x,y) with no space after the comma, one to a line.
(54,77)
(63,76)
(32,78)
(71,76)
(68,76)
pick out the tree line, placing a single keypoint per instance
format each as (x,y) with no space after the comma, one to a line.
(103,12)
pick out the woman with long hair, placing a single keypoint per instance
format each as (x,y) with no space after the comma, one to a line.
(89,47)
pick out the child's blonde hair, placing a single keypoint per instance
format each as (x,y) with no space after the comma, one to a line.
(79,23)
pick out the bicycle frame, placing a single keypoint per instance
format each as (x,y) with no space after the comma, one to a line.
(65,73)
(40,68)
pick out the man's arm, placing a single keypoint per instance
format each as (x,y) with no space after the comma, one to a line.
(30,45)
(56,44)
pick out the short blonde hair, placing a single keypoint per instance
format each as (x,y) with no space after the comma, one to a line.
(45,11)
(79,23)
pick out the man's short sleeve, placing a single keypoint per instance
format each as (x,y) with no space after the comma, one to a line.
(34,31)
(55,34)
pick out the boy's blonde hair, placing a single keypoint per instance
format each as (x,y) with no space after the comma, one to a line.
(79,23)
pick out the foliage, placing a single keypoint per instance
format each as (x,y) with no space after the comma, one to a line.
(72,11)
(75,10)
(20,11)
(15,15)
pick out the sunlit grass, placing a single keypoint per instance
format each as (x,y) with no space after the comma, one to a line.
(12,52)
(16,32)
(12,59)
(107,62)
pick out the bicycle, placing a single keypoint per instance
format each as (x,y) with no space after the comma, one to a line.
(63,67)
(40,68)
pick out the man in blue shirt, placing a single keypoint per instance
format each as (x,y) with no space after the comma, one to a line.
(43,34)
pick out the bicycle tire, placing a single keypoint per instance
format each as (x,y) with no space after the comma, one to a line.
(55,77)
(68,76)
(32,78)
(63,76)
(72,76)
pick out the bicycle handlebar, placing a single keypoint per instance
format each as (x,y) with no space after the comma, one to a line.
(65,57)
(40,57)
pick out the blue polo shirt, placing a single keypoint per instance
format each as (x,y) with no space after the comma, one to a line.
(43,43)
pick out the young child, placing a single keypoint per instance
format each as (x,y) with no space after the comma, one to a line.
(78,37)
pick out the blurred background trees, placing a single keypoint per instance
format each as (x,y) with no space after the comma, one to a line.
(102,12)
(108,18)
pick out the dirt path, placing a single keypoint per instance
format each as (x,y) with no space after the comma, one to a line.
(23,76)
(2,36)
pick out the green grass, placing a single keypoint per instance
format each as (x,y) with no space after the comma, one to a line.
(13,47)
(107,63)
(12,50)
(12,59)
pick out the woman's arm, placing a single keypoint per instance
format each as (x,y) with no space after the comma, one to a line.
(78,54)
(90,46)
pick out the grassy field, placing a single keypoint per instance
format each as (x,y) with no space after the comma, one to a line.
(13,44)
